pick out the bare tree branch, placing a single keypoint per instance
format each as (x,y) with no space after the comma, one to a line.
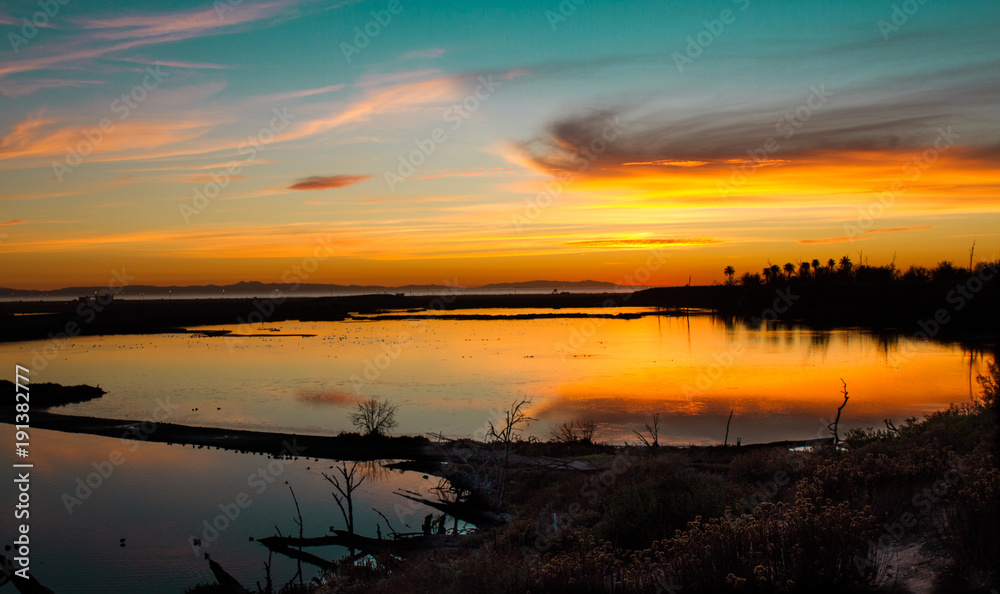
(375,417)
(654,433)
(836,422)
(345,492)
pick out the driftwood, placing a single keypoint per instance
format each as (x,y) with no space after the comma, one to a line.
(25,586)
(228,583)
(398,546)
(457,510)
(274,544)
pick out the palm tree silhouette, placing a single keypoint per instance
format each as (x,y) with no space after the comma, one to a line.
(789,269)
(729,272)
(846,265)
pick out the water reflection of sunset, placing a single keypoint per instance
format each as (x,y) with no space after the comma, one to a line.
(451,375)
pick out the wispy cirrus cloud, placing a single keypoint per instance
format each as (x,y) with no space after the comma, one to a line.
(430,53)
(198,117)
(94,38)
(465,172)
(181,64)
(318,182)
(41,135)
(868,232)
(644,243)
(8,20)
(189,23)
(829,240)
(231,240)
(396,94)
(899,229)
(301,93)
(25,86)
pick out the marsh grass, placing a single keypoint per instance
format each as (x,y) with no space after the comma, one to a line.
(673,522)
(646,510)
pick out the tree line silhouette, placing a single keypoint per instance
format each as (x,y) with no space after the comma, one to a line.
(955,302)
(845,270)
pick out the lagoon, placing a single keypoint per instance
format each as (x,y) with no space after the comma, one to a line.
(448,373)
(453,375)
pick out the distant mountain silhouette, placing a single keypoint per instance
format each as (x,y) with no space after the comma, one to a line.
(547,284)
(257,287)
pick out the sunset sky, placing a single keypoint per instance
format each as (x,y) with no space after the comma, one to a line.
(471,142)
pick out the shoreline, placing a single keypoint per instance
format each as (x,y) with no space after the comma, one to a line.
(895,308)
(346,446)
(338,447)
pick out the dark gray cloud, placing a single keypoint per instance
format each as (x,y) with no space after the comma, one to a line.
(823,120)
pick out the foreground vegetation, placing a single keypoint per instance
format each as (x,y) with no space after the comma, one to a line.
(728,519)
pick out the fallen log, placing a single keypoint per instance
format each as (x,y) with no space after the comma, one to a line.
(288,551)
(342,538)
(465,513)
(227,582)
(27,585)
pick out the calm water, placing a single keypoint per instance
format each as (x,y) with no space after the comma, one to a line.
(453,375)
(447,376)
(160,496)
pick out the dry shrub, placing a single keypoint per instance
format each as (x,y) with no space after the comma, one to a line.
(809,546)
(970,519)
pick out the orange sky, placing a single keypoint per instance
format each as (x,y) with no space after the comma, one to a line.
(188,148)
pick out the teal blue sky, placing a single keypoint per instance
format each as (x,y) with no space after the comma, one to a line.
(692,87)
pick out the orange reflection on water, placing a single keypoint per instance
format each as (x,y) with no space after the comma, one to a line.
(453,375)
(775,380)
